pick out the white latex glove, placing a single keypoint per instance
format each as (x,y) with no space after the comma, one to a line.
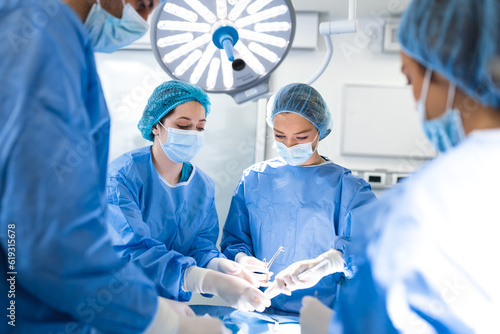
(173,317)
(257,267)
(314,316)
(288,279)
(233,268)
(236,292)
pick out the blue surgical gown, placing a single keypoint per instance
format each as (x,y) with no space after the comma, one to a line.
(307,210)
(428,249)
(163,228)
(54,133)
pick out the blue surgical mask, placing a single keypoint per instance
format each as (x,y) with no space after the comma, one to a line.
(182,145)
(109,33)
(295,155)
(446,131)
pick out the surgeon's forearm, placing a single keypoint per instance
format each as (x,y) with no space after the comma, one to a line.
(335,260)
(239,256)
(201,280)
(194,278)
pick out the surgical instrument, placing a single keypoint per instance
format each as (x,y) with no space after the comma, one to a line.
(268,265)
(313,269)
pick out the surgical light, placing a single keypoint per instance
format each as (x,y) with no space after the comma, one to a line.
(223,46)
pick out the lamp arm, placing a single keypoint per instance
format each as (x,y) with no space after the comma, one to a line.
(335,27)
(326,61)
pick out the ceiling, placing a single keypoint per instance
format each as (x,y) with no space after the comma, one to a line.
(365,8)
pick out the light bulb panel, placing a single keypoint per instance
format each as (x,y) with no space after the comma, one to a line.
(181,38)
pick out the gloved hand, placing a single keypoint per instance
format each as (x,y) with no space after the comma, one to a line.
(314,316)
(173,317)
(288,279)
(236,292)
(181,309)
(232,268)
(257,267)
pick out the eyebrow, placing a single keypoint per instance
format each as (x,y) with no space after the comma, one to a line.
(189,119)
(298,133)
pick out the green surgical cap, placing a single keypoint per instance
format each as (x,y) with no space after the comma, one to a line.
(302,100)
(164,99)
(460,39)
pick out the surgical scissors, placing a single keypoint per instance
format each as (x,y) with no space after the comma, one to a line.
(268,265)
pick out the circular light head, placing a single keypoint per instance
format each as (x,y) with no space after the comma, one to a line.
(182,34)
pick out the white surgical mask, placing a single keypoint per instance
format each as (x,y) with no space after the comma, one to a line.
(109,33)
(182,145)
(446,131)
(295,155)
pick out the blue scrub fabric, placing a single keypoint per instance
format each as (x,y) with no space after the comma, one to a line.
(54,140)
(163,228)
(427,249)
(307,210)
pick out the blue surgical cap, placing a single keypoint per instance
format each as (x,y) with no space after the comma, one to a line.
(164,99)
(302,100)
(457,38)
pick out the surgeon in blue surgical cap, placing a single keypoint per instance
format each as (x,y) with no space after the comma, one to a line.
(427,249)
(60,273)
(302,201)
(161,207)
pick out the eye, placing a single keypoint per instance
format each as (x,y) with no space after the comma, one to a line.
(200,129)
(183,127)
(279,136)
(142,6)
(302,138)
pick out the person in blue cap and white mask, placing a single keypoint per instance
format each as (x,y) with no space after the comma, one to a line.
(111,28)
(161,207)
(56,256)
(427,248)
(301,201)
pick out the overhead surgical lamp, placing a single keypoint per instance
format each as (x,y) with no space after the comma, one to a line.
(223,46)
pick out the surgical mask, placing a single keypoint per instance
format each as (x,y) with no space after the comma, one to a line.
(182,145)
(295,155)
(109,33)
(446,131)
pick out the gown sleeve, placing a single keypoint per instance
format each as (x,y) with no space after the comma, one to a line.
(355,193)
(363,305)
(134,242)
(203,249)
(236,235)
